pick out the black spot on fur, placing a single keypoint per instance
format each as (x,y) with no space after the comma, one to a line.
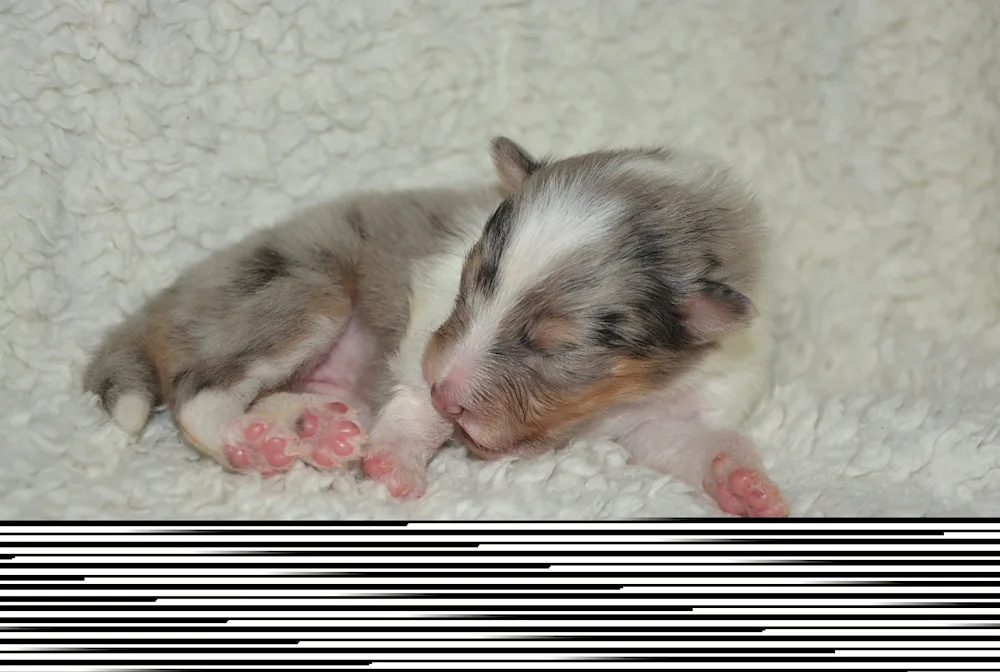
(660,325)
(496,233)
(264,267)
(486,277)
(647,325)
(642,243)
(104,393)
(497,229)
(356,221)
(608,329)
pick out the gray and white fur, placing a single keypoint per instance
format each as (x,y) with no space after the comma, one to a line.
(616,293)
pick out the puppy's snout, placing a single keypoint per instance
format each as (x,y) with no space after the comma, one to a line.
(443,398)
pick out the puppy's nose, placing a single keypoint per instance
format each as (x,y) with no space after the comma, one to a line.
(443,400)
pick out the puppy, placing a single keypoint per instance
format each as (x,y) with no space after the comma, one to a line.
(611,294)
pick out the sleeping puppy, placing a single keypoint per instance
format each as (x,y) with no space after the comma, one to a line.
(612,294)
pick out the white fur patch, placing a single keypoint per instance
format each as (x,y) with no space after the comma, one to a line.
(548,228)
(434,284)
(130,413)
(409,421)
(203,417)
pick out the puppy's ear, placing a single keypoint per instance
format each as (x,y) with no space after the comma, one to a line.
(713,310)
(512,162)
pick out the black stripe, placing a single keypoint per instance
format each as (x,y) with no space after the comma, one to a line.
(493,243)
(104,393)
(264,266)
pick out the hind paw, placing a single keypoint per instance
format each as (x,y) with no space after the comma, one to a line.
(253,443)
(328,435)
(283,428)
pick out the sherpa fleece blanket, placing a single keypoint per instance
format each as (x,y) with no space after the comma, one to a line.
(137,136)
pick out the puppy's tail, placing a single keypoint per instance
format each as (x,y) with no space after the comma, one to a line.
(121,374)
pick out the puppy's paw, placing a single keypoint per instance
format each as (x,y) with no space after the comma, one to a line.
(285,427)
(253,443)
(404,476)
(744,490)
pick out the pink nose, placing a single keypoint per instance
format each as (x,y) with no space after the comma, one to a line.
(443,401)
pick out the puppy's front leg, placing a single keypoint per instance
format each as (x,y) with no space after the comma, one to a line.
(408,430)
(723,462)
(405,436)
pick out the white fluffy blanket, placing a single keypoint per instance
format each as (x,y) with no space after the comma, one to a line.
(138,135)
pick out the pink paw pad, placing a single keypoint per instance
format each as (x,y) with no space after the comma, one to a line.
(328,437)
(748,492)
(401,482)
(254,444)
(239,456)
(285,427)
(274,452)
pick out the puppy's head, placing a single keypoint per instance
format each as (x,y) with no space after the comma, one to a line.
(599,279)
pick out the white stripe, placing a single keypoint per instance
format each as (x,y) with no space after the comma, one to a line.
(546,230)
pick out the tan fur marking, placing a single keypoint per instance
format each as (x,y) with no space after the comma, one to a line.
(554,331)
(166,348)
(632,379)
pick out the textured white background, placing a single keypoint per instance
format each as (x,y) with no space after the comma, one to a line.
(138,135)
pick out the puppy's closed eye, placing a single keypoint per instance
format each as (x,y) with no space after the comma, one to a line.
(550,334)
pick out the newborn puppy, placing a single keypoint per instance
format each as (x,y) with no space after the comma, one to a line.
(612,294)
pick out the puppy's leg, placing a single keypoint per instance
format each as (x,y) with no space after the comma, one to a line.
(406,435)
(224,338)
(408,430)
(320,420)
(723,462)
(232,409)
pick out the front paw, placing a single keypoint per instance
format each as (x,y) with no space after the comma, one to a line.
(404,474)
